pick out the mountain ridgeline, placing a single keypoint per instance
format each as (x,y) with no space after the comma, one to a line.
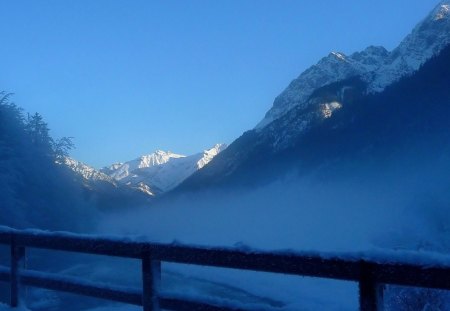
(349,126)
(375,65)
(159,172)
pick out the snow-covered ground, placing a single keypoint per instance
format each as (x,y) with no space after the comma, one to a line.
(4,307)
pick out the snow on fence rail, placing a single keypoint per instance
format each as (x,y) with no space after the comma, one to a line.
(371,274)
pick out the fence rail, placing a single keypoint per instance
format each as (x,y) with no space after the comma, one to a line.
(370,274)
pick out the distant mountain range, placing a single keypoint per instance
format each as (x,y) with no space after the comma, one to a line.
(339,110)
(160,171)
(151,174)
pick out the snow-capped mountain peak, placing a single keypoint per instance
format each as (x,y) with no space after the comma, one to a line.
(157,158)
(374,65)
(119,171)
(427,39)
(160,171)
(442,10)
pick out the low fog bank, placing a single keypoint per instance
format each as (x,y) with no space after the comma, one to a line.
(401,204)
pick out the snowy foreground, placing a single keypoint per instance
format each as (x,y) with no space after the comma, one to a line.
(384,219)
(229,287)
(4,307)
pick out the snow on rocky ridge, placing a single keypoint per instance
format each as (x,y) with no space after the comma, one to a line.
(120,171)
(375,65)
(160,171)
(151,174)
(86,171)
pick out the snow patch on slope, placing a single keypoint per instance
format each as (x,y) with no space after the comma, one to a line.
(86,171)
(443,12)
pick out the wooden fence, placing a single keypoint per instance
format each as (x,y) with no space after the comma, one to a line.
(370,275)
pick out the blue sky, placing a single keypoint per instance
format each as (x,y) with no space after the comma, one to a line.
(128,77)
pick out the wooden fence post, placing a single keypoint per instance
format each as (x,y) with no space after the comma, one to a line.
(370,292)
(151,278)
(17,260)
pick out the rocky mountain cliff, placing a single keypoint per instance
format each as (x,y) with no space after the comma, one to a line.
(375,65)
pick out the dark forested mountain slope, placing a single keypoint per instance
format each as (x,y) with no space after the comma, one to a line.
(35,190)
(363,130)
(362,107)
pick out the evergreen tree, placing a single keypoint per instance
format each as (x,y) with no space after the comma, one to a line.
(35,190)
(62,146)
(38,131)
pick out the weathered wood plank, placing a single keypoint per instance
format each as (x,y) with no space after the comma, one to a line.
(151,278)
(186,305)
(258,261)
(5,274)
(409,275)
(370,292)
(261,261)
(17,262)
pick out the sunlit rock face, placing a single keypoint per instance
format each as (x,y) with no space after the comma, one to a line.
(328,108)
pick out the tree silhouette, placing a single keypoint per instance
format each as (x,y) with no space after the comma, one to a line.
(38,132)
(62,146)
